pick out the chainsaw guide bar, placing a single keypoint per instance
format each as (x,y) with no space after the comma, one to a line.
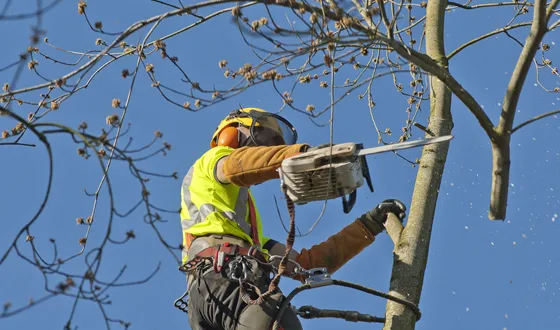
(404,145)
(329,173)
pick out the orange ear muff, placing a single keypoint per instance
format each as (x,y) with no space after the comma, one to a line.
(229,137)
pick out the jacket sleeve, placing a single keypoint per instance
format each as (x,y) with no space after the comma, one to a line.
(337,249)
(248,166)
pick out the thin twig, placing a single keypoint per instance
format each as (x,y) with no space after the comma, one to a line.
(532,120)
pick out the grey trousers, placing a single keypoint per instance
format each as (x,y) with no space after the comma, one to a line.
(215,302)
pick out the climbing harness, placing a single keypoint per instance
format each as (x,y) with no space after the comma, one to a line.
(238,269)
(232,255)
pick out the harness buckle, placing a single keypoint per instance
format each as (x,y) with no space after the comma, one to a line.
(252,250)
(219,260)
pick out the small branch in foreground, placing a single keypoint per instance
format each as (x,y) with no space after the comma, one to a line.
(17,144)
(541,116)
(487,35)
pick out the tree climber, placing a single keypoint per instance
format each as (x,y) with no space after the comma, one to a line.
(226,256)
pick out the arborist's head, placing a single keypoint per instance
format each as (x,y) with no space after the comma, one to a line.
(253,127)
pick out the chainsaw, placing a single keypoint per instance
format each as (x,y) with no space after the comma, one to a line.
(328,173)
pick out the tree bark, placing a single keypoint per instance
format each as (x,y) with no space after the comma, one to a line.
(394,228)
(411,253)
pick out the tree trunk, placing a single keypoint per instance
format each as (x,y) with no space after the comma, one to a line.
(411,253)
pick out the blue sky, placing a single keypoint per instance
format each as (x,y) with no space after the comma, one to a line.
(480,275)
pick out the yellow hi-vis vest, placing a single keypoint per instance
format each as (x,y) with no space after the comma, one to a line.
(211,207)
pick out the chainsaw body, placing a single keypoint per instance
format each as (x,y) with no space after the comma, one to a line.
(328,173)
(324,174)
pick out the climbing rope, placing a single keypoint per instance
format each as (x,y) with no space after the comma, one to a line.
(273,286)
(387,296)
(328,281)
(310,312)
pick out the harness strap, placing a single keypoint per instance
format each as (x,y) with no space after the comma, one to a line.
(253,217)
(230,250)
(221,253)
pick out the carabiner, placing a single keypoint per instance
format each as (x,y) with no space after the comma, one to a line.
(234,266)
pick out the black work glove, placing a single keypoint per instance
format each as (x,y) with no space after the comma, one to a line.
(374,220)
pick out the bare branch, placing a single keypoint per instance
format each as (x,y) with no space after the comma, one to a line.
(341,40)
(534,119)
(130,30)
(427,64)
(38,12)
(487,35)
(486,5)
(42,138)
(501,144)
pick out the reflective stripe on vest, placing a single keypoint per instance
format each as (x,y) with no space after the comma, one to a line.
(198,215)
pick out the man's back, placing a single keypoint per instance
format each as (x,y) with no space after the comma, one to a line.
(211,207)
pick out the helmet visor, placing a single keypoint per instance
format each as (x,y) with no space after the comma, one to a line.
(271,130)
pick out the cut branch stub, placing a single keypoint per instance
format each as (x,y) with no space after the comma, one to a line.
(394,228)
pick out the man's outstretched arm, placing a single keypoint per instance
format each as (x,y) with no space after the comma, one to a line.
(340,248)
(248,166)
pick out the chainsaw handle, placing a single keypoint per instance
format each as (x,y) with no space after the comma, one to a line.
(347,205)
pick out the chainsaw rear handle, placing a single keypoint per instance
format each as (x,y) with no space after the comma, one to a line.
(347,205)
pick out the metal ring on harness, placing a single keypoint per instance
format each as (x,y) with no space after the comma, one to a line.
(251,249)
(233,270)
